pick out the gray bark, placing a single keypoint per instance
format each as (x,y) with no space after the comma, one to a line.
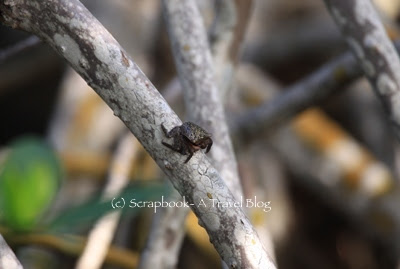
(367,38)
(75,34)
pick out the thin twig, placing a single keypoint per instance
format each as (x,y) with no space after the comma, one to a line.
(74,245)
(101,235)
(18,47)
(367,38)
(74,33)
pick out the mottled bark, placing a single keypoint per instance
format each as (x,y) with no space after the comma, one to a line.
(76,35)
(367,38)
(192,55)
(197,75)
(202,98)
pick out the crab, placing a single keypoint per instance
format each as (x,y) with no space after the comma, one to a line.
(188,138)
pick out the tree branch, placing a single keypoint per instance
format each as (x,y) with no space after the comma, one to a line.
(75,34)
(72,245)
(165,237)
(308,91)
(226,34)
(336,168)
(196,73)
(195,40)
(18,47)
(367,38)
(101,235)
(328,79)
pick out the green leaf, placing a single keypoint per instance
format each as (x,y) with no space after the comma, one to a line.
(92,210)
(29,180)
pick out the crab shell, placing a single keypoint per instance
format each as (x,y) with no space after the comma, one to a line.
(194,133)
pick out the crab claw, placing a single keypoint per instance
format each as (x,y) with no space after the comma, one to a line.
(209,146)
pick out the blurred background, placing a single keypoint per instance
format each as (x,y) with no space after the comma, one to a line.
(330,173)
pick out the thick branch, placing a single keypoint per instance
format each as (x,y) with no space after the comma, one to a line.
(166,228)
(366,36)
(74,33)
(202,98)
